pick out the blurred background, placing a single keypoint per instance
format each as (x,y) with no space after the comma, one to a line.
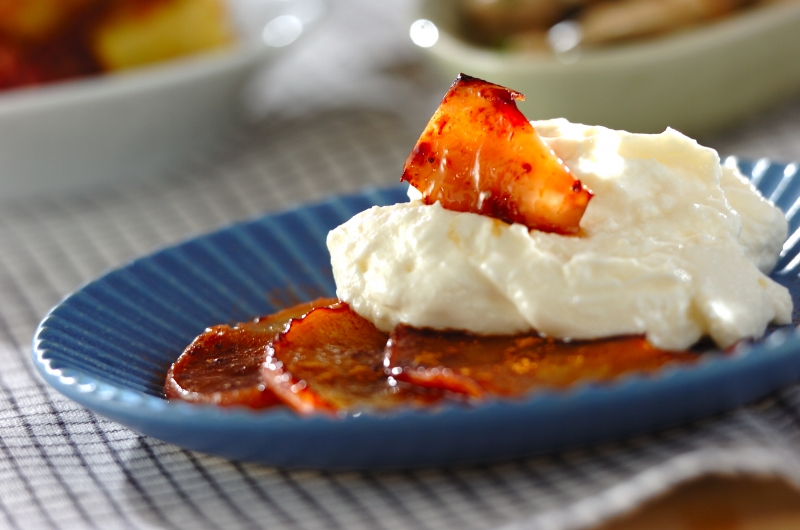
(98,91)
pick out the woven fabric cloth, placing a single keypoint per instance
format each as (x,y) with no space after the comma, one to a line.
(62,466)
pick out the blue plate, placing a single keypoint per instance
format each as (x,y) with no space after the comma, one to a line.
(108,346)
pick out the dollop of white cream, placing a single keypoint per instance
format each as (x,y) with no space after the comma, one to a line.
(673,246)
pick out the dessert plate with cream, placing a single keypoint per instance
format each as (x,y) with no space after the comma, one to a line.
(108,345)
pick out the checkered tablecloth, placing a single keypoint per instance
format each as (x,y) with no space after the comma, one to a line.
(64,467)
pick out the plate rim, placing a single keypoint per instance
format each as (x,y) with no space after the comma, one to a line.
(137,408)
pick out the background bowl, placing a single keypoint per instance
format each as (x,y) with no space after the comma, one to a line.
(697,81)
(139,122)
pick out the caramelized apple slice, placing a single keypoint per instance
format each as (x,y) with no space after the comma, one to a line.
(223,365)
(512,366)
(332,360)
(479,154)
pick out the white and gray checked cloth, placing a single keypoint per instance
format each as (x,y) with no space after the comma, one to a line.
(350,110)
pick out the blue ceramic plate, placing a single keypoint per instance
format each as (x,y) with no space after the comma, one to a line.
(108,346)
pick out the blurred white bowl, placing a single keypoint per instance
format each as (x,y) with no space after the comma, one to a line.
(697,81)
(141,122)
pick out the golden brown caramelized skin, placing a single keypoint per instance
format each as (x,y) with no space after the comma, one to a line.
(333,360)
(514,365)
(480,154)
(321,357)
(222,366)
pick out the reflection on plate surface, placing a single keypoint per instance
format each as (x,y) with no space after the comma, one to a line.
(108,346)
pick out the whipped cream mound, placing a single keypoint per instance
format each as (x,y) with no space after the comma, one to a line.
(673,246)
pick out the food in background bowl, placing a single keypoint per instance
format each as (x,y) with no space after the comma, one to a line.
(560,25)
(697,81)
(506,275)
(42,41)
(145,122)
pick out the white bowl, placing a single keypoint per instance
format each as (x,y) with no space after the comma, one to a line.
(697,81)
(142,122)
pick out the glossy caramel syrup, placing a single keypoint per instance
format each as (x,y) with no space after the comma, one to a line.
(321,357)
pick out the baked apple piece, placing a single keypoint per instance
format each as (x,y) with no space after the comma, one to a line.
(515,365)
(222,365)
(332,360)
(480,154)
(135,32)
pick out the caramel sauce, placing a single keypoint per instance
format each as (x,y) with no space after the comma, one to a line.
(333,360)
(512,366)
(321,357)
(223,364)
